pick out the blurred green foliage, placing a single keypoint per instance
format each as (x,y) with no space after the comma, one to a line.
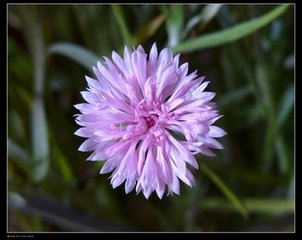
(251,68)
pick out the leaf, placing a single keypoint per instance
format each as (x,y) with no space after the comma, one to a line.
(62,163)
(291,187)
(267,205)
(231,34)
(226,191)
(34,34)
(174,23)
(61,215)
(282,154)
(286,105)
(75,52)
(16,151)
(207,13)
(235,95)
(39,141)
(254,205)
(148,29)
(119,16)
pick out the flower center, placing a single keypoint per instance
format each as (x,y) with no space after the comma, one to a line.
(151,120)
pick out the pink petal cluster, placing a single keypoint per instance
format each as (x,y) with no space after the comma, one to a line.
(146,117)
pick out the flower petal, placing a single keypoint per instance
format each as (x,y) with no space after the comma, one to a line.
(88,145)
(216,132)
(152,60)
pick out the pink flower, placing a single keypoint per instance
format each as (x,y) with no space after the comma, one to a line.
(147,118)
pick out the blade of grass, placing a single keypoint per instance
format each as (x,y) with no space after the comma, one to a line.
(120,19)
(39,141)
(282,155)
(231,34)
(266,90)
(35,40)
(291,188)
(235,95)
(75,52)
(174,23)
(149,29)
(254,205)
(209,12)
(286,106)
(16,151)
(62,162)
(61,215)
(230,195)
(204,17)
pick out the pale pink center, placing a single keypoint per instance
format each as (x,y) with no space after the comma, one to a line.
(150,118)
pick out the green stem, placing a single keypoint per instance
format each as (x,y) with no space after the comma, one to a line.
(239,204)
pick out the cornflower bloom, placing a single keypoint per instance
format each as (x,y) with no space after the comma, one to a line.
(146,117)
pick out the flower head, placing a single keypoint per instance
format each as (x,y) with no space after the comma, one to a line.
(138,108)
